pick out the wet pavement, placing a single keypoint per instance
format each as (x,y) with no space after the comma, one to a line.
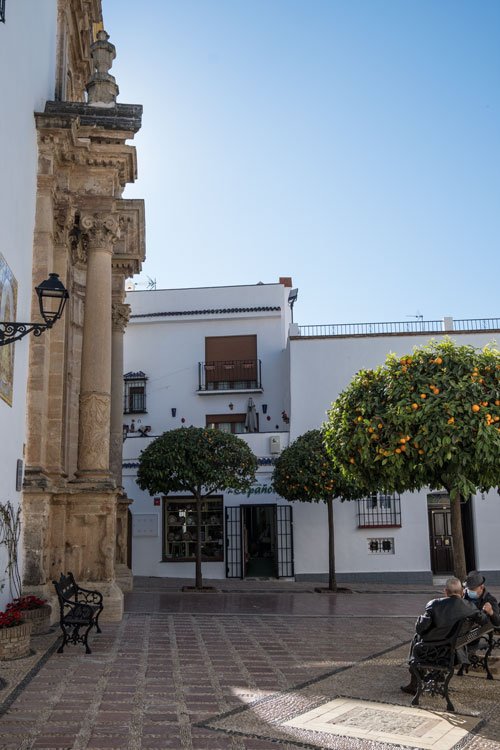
(233,669)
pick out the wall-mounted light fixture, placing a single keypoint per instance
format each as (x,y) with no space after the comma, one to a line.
(52,296)
(174,411)
(292,299)
(264,408)
(231,406)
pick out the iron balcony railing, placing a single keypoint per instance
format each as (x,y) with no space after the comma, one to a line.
(231,375)
(409,326)
(379,511)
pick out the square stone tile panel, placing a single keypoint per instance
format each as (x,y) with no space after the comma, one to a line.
(410,727)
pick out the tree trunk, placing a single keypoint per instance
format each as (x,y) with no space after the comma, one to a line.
(457,535)
(332,580)
(198,576)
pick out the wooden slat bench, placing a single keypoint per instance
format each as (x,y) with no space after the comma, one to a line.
(79,611)
(433,662)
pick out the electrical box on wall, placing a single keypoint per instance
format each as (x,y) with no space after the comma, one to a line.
(274,444)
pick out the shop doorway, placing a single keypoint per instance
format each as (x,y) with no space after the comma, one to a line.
(259,541)
(440,539)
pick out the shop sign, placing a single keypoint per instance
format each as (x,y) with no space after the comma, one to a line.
(255,489)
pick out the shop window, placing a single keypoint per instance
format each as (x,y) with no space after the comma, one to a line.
(134,394)
(234,423)
(2,11)
(381,546)
(180,532)
(379,510)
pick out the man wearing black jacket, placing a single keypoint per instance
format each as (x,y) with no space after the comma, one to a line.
(439,618)
(476,594)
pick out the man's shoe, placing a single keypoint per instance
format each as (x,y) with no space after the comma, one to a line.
(411,688)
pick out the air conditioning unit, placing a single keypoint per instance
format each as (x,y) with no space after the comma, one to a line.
(274,444)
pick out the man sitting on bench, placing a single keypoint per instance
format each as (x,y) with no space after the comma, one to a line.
(439,618)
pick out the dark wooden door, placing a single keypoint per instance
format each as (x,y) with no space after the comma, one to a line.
(441,542)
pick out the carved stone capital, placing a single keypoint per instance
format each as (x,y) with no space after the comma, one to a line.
(100,230)
(63,221)
(95,409)
(120,314)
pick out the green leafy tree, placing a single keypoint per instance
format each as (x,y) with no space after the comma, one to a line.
(431,418)
(200,461)
(305,472)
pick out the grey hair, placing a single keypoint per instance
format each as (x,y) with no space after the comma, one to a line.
(453,586)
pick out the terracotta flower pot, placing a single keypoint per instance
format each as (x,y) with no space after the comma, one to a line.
(39,618)
(15,641)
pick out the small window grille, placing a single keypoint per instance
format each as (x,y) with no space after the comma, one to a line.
(134,395)
(379,510)
(2,11)
(381,546)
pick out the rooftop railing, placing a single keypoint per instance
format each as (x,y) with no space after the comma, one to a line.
(448,325)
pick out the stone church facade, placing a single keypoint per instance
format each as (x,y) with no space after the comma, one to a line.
(74,511)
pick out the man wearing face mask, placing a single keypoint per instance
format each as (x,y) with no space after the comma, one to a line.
(475,592)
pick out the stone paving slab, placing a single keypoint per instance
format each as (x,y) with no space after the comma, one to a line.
(163,679)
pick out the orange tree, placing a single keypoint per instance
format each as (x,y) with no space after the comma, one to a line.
(200,461)
(431,418)
(305,472)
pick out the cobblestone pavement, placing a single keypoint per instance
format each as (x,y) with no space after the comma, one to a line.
(192,671)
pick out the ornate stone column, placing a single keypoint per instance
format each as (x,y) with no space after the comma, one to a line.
(120,316)
(100,232)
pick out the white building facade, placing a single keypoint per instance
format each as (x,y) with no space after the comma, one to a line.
(201,357)
(27,60)
(406,539)
(209,357)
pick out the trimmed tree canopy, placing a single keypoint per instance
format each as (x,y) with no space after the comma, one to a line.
(427,419)
(304,471)
(197,460)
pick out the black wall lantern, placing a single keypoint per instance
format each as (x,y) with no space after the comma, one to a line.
(52,296)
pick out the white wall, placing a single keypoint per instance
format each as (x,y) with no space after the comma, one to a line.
(320,368)
(168,349)
(27,62)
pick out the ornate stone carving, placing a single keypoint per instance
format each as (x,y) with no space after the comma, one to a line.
(100,230)
(95,409)
(120,316)
(79,243)
(102,89)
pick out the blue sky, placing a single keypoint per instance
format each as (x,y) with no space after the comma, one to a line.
(351,144)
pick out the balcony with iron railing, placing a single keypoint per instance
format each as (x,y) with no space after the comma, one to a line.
(447,325)
(243,375)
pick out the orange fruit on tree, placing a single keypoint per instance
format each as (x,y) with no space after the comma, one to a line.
(414,406)
(475,407)
(423,395)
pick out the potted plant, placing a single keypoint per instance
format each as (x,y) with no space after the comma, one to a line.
(34,610)
(15,635)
